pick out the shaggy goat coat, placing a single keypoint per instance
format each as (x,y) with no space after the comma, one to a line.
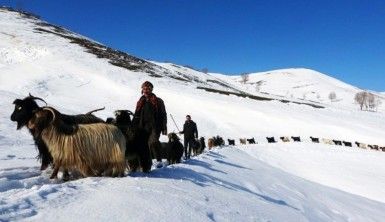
(94,149)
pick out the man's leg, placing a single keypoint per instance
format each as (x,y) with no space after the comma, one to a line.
(185,148)
(144,150)
(190,145)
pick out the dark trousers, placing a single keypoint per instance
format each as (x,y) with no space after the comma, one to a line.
(154,145)
(188,143)
(144,149)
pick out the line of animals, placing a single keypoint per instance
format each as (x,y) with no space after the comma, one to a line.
(313,139)
(87,144)
(90,146)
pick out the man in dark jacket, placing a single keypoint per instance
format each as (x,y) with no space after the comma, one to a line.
(150,119)
(190,132)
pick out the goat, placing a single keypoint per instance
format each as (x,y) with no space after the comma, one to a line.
(218,141)
(373,147)
(92,149)
(251,141)
(210,143)
(136,156)
(296,138)
(110,120)
(242,141)
(231,142)
(349,144)
(123,119)
(24,111)
(337,142)
(198,146)
(327,141)
(174,149)
(382,148)
(361,145)
(285,139)
(314,139)
(271,140)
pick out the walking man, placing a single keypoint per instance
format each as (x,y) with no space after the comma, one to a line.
(190,132)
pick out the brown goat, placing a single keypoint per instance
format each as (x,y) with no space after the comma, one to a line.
(210,143)
(92,149)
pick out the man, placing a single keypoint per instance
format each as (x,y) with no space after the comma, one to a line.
(150,119)
(190,132)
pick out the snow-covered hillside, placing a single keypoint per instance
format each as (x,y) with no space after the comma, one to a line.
(301,83)
(263,182)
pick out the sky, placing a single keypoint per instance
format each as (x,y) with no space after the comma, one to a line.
(343,39)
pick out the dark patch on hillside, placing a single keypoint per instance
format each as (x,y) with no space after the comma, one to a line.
(23,13)
(245,95)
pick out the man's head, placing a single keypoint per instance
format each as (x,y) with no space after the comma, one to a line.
(188,117)
(147,88)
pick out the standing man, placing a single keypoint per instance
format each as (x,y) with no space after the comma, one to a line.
(190,132)
(150,119)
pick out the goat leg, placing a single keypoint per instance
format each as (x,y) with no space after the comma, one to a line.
(55,171)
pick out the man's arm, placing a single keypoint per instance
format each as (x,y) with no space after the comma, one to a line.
(163,116)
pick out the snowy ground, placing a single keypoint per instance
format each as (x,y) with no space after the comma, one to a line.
(226,184)
(262,182)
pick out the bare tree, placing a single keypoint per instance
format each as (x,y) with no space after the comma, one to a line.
(373,101)
(205,70)
(332,96)
(361,99)
(245,78)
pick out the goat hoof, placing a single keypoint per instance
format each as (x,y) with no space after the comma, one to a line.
(44,166)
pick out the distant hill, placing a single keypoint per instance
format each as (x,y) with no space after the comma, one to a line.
(299,83)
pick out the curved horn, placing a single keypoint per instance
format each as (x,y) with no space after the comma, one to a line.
(34,97)
(53,113)
(95,110)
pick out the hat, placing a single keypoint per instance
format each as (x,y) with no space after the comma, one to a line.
(148,84)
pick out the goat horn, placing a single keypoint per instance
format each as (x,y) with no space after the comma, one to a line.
(90,112)
(34,97)
(53,113)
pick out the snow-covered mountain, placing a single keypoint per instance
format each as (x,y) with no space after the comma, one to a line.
(263,182)
(300,83)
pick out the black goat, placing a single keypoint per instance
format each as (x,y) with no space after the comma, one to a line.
(135,156)
(374,147)
(361,145)
(110,120)
(218,141)
(347,143)
(251,141)
(337,142)
(314,139)
(231,142)
(173,149)
(296,138)
(24,111)
(271,140)
(123,119)
(198,146)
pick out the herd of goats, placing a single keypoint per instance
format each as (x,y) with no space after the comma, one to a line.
(286,139)
(90,146)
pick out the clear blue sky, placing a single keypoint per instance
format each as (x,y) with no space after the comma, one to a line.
(344,39)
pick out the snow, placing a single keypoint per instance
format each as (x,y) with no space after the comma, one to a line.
(262,182)
(302,84)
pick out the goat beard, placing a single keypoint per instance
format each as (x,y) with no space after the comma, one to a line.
(20,125)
